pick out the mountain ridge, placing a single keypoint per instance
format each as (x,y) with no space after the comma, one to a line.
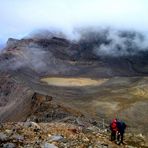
(123,94)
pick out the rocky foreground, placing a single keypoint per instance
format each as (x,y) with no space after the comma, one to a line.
(60,134)
(59,93)
(53,126)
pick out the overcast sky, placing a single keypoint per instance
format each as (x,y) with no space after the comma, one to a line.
(20,17)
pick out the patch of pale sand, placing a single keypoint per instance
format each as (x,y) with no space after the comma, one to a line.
(70,82)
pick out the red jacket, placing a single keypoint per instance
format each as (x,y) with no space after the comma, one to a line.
(113,126)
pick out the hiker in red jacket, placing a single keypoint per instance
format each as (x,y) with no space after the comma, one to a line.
(114,129)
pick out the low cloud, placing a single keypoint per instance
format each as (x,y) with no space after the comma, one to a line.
(19,18)
(122,43)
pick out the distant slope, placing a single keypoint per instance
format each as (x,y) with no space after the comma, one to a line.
(124,94)
(58,56)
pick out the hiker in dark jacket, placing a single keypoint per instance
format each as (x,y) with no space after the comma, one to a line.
(121,128)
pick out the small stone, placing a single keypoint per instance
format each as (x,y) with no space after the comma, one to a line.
(33,125)
(48,98)
(56,138)
(27,123)
(3,137)
(141,136)
(104,145)
(9,145)
(48,145)
(18,137)
(85,139)
(8,131)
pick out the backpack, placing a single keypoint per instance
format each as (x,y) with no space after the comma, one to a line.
(123,125)
(114,125)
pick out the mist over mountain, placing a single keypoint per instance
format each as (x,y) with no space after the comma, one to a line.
(18,19)
(99,75)
(74,64)
(114,48)
(2,46)
(109,42)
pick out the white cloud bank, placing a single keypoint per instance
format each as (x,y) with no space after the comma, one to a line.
(20,17)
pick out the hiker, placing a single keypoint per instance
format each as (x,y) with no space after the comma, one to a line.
(114,129)
(121,128)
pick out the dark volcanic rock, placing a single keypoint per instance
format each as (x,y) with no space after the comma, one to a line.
(15,102)
(9,145)
(57,56)
(3,137)
(123,93)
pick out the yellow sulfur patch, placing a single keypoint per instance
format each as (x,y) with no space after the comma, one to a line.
(73,81)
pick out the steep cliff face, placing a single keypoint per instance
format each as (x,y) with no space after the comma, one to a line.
(118,83)
(15,100)
(58,56)
(18,101)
